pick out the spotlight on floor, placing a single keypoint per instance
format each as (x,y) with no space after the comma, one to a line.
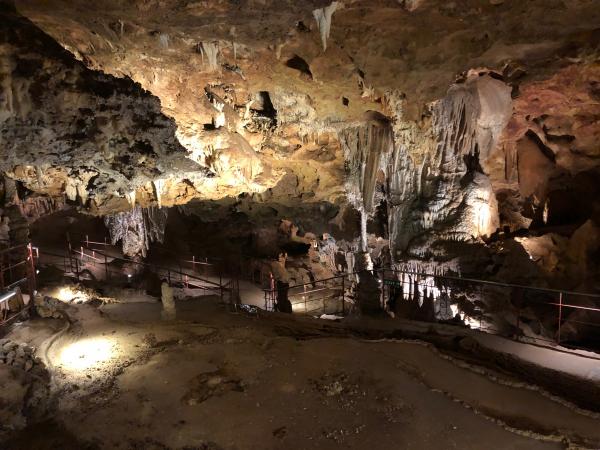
(69,293)
(65,294)
(87,353)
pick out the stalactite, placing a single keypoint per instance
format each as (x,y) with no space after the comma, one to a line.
(159,186)
(366,151)
(131,199)
(210,55)
(71,189)
(83,194)
(137,228)
(323,17)
(163,40)
(40,176)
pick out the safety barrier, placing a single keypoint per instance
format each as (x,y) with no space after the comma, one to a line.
(325,296)
(76,262)
(17,276)
(455,300)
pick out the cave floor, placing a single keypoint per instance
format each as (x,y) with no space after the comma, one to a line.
(124,379)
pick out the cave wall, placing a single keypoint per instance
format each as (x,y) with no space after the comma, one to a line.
(429,128)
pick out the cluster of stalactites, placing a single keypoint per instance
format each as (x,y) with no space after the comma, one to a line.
(137,228)
(210,55)
(367,150)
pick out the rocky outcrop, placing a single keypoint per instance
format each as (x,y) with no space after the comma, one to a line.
(18,355)
(101,142)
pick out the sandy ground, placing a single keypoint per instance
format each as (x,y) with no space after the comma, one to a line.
(124,379)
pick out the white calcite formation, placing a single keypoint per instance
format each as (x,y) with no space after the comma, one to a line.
(447,195)
(323,17)
(137,228)
(444,196)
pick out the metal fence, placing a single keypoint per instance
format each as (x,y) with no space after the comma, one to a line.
(551,315)
(325,296)
(17,275)
(84,259)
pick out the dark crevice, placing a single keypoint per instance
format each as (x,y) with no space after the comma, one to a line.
(299,64)
(268,110)
(547,151)
(302,27)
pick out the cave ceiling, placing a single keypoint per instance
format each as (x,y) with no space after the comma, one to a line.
(158,103)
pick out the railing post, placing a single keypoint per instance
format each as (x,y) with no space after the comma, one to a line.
(560,302)
(343,295)
(2,271)
(70,251)
(106,267)
(305,306)
(519,321)
(32,269)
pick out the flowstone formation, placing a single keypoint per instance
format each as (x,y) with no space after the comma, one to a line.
(447,196)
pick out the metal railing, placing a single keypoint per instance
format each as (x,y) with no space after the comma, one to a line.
(493,306)
(212,267)
(325,296)
(17,271)
(76,262)
(490,306)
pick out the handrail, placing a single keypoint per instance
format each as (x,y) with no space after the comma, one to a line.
(493,283)
(14,247)
(383,273)
(107,242)
(213,286)
(446,277)
(147,265)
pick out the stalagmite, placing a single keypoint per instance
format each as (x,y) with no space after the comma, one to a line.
(168,302)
